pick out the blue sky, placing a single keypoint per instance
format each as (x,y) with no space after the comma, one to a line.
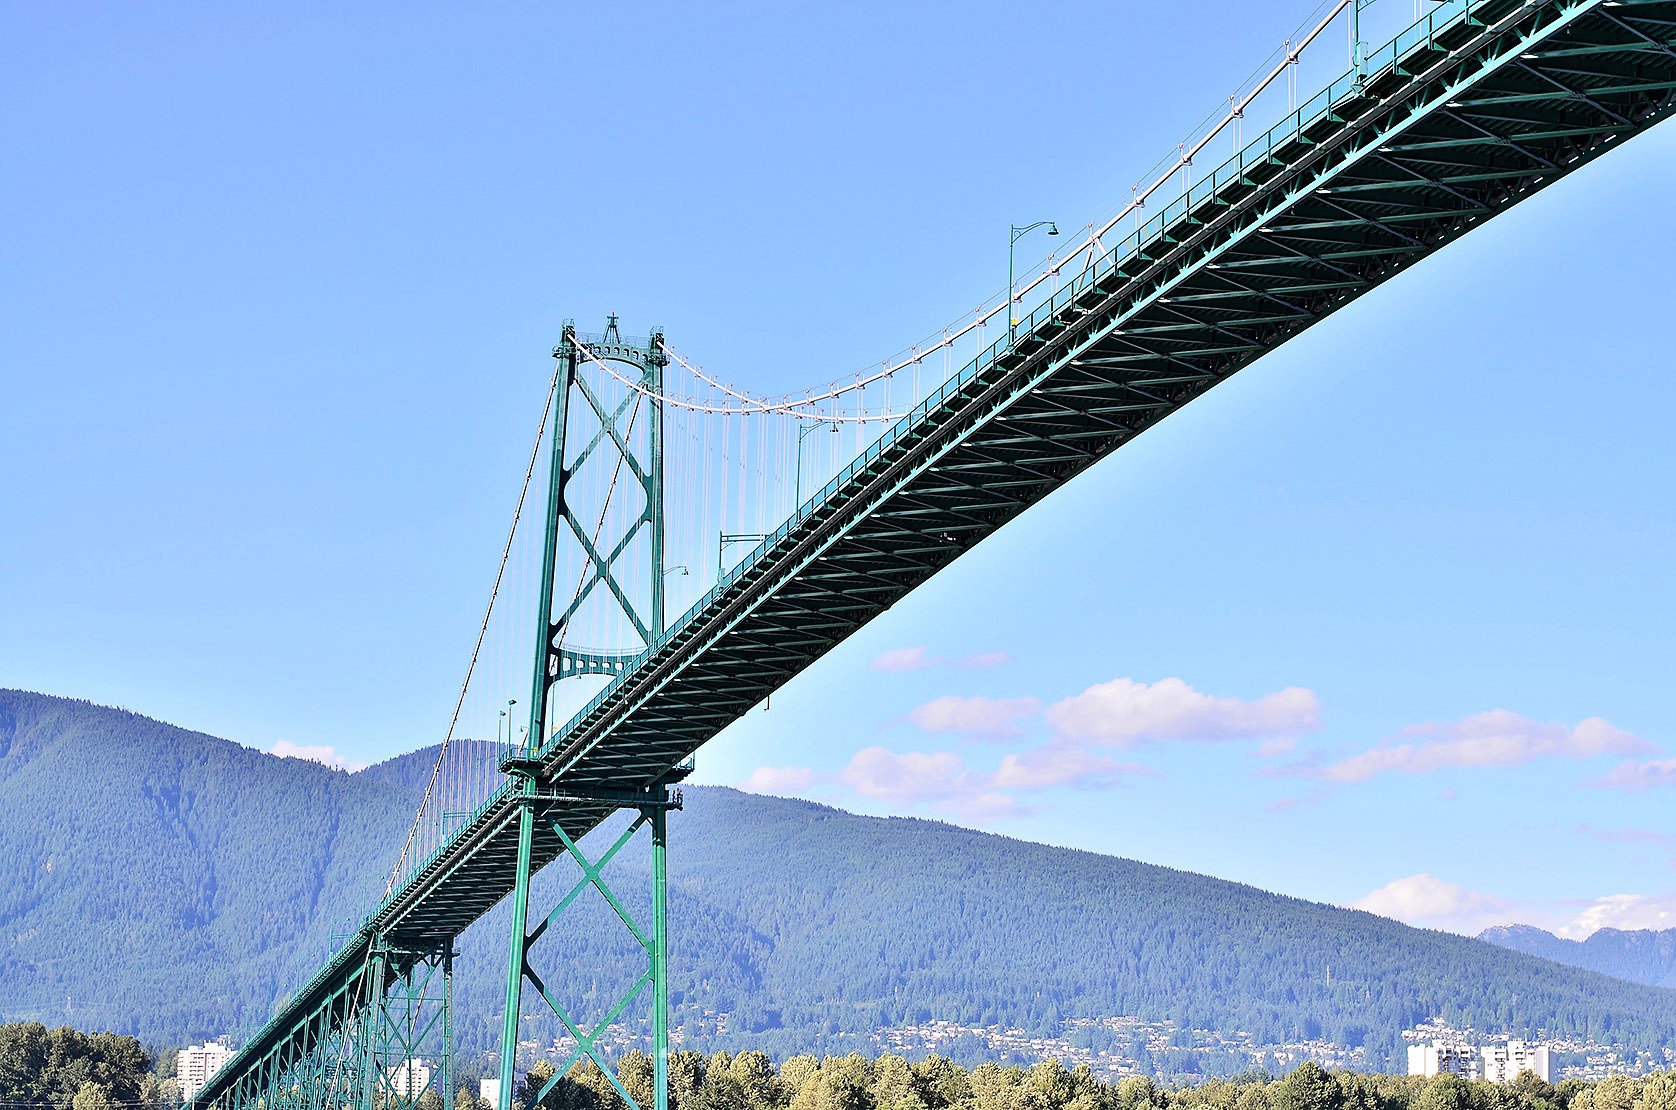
(1386,618)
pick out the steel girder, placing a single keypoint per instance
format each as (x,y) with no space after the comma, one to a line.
(1495,103)
(655,941)
(359,1043)
(1490,102)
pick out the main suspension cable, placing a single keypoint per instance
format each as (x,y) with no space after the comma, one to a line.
(500,573)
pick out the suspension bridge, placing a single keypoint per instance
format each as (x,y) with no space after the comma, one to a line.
(699,545)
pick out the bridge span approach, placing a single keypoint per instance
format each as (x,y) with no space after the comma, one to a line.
(1476,106)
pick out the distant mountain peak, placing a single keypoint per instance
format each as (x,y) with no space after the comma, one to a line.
(1638,955)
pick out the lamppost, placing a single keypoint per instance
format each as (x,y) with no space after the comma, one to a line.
(802,431)
(504,713)
(1017,234)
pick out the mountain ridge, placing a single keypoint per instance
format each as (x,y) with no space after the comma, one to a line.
(1638,955)
(188,881)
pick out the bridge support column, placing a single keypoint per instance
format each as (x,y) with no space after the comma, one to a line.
(652,810)
(659,818)
(412,1032)
(515,960)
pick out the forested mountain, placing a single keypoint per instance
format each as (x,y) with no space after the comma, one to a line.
(156,878)
(167,883)
(1639,955)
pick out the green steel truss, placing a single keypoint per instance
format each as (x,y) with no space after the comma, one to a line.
(653,815)
(610,431)
(382,1038)
(1479,106)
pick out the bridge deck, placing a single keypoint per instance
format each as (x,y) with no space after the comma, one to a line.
(1459,119)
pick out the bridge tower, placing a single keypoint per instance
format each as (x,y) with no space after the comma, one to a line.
(613,427)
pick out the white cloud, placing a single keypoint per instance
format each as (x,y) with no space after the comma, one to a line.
(1061,764)
(986,659)
(1640,776)
(903,659)
(938,779)
(1436,904)
(978,716)
(784,781)
(1622,911)
(1124,712)
(316,753)
(942,782)
(1494,739)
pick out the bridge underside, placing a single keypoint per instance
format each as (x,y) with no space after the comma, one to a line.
(1449,127)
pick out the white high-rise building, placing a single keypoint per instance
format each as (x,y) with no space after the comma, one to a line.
(1444,1058)
(195,1063)
(489,1091)
(409,1079)
(1504,1062)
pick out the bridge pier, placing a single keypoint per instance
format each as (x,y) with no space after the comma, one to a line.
(411,1021)
(546,813)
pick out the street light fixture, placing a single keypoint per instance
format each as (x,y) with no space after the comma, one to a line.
(1017,234)
(803,431)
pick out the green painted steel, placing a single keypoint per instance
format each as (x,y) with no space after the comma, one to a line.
(554,662)
(660,959)
(515,961)
(1476,107)
(652,815)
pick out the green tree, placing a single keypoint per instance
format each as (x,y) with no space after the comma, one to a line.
(1309,1087)
(997,1088)
(1254,1097)
(841,1084)
(534,1080)
(755,1072)
(593,1089)
(91,1097)
(1658,1093)
(796,1073)
(720,1091)
(686,1076)
(1615,1092)
(891,1084)
(634,1072)
(1446,1092)
(940,1082)
(1135,1092)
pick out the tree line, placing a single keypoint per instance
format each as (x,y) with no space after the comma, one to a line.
(66,1069)
(749,1081)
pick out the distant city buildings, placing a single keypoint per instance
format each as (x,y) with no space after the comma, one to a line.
(1504,1062)
(489,1091)
(408,1079)
(1444,1058)
(194,1065)
(1498,1063)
